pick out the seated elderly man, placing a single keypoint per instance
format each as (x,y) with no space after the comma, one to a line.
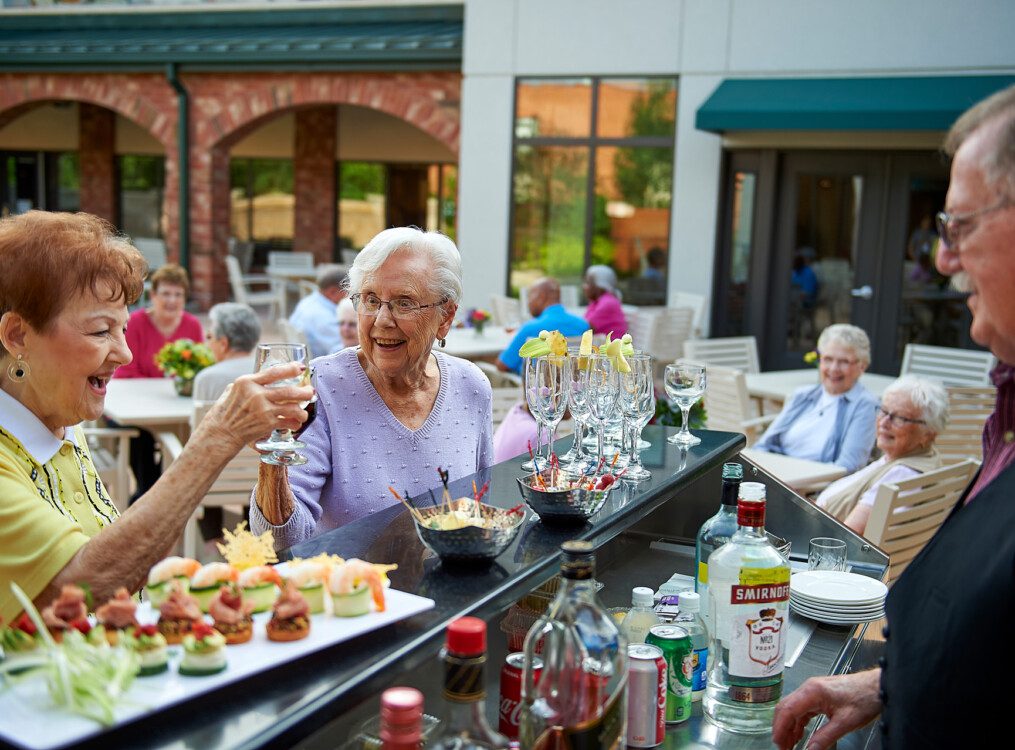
(233,333)
(913,411)
(315,313)
(833,421)
(547,315)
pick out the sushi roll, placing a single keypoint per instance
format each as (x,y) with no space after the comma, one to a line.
(117,615)
(171,569)
(204,651)
(178,615)
(231,614)
(151,648)
(290,619)
(207,581)
(260,586)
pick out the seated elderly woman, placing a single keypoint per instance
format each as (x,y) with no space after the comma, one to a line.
(62,334)
(392,410)
(833,421)
(913,411)
(604,312)
(348,325)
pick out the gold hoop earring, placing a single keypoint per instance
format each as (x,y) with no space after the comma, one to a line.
(18,370)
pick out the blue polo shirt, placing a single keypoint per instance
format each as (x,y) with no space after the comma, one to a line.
(553,318)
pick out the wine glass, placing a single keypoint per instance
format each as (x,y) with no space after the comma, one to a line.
(576,376)
(549,399)
(282,446)
(531,391)
(604,390)
(638,404)
(685,384)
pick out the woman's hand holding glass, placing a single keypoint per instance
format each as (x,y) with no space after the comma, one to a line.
(638,405)
(546,393)
(281,448)
(604,390)
(685,384)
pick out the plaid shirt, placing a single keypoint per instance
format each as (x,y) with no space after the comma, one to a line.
(999,431)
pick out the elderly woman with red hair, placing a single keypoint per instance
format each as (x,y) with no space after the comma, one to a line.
(65,283)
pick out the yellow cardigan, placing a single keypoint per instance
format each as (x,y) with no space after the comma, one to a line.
(48,511)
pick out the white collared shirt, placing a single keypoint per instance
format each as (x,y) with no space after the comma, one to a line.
(29,430)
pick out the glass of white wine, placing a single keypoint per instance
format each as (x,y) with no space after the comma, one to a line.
(281,447)
(685,384)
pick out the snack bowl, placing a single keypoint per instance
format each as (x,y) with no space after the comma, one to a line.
(470,543)
(570,506)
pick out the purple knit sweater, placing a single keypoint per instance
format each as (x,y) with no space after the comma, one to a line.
(357,448)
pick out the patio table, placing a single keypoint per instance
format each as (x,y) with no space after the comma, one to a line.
(799,474)
(151,403)
(468,344)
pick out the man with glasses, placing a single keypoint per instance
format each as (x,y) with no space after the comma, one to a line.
(943,681)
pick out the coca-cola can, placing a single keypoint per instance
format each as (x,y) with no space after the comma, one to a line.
(511,691)
(646,695)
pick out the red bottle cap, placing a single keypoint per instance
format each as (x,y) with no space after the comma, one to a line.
(401,717)
(467,636)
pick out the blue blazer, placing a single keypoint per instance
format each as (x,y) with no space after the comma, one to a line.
(852,437)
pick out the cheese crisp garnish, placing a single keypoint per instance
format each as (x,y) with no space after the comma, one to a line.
(243,550)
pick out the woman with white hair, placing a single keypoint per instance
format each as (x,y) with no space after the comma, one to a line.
(348,323)
(913,411)
(833,421)
(604,312)
(392,410)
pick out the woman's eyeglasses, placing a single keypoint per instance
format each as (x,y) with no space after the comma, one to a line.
(898,420)
(403,307)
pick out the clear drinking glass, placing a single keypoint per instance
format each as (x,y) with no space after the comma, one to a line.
(685,384)
(546,394)
(282,445)
(638,404)
(604,390)
(826,553)
(576,374)
(529,373)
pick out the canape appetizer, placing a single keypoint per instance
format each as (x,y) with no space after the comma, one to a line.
(151,648)
(19,639)
(204,651)
(231,614)
(178,569)
(310,576)
(290,618)
(117,615)
(206,582)
(352,583)
(260,585)
(177,615)
(69,610)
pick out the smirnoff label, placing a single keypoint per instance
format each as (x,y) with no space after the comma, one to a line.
(759,605)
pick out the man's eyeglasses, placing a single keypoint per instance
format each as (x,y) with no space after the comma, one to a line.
(898,420)
(952,227)
(403,307)
(833,361)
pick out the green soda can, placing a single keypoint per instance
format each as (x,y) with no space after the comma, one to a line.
(678,652)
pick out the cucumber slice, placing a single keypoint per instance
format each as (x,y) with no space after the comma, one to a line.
(315,598)
(187,671)
(352,605)
(159,592)
(204,595)
(262,597)
(152,669)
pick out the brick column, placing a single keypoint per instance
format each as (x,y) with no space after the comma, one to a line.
(209,223)
(314,181)
(96,138)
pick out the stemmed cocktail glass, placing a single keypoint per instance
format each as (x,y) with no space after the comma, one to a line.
(546,397)
(576,376)
(604,390)
(685,384)
(281,448)
(638,405)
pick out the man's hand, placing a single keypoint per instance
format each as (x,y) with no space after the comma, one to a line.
(849,701)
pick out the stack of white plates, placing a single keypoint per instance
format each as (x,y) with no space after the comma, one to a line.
(837,598)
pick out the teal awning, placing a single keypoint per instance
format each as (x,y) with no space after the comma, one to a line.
(384,37)
(913,103)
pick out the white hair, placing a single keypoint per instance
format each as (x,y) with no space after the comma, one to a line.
(848,336)
(444,260)
(238,323)
(603,277)
(343,307)
(927,395)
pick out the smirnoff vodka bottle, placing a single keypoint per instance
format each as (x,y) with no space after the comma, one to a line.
(749,599)
(580,700)
(715,532)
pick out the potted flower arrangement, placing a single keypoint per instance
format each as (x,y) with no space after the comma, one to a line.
(478,319)
(183,359)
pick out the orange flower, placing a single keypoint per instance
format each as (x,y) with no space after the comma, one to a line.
(186,354)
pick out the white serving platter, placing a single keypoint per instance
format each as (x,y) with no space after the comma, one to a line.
(839,611)
(835,619)
(837,586)
(29,719)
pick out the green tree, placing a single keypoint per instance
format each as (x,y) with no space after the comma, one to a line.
(644,175)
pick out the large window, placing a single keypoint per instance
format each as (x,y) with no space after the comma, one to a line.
(263,201)
(593,181)
(142,185)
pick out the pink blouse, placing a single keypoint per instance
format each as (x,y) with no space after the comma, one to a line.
(145,340)
(606,316)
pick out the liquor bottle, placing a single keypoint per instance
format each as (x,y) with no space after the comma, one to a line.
(690,620)
(464,725)
(581,697)
(401,719)
(641,616)
(715,532)
(749,586)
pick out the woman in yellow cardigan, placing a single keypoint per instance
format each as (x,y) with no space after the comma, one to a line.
(65,282)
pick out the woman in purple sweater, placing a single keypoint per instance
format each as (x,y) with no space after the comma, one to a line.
(390,411)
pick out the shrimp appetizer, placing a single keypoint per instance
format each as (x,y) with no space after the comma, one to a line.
(352,583)
(177,615)
(310,576)
(260,585)
(204,651)
(290,619)
(151,648)
(208,579)
(117,615)
(174,568)
(231,614)
(68,611)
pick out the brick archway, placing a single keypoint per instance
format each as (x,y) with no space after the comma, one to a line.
(228,107)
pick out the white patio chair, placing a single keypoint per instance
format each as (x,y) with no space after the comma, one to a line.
(953,367)
(697,303)
(291,333)
(504,310)
(243,291)
(569,296)
(968,409)
(740,352)
(908,513)
(291,262)
(110,450)
(500,379)
(728,406)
